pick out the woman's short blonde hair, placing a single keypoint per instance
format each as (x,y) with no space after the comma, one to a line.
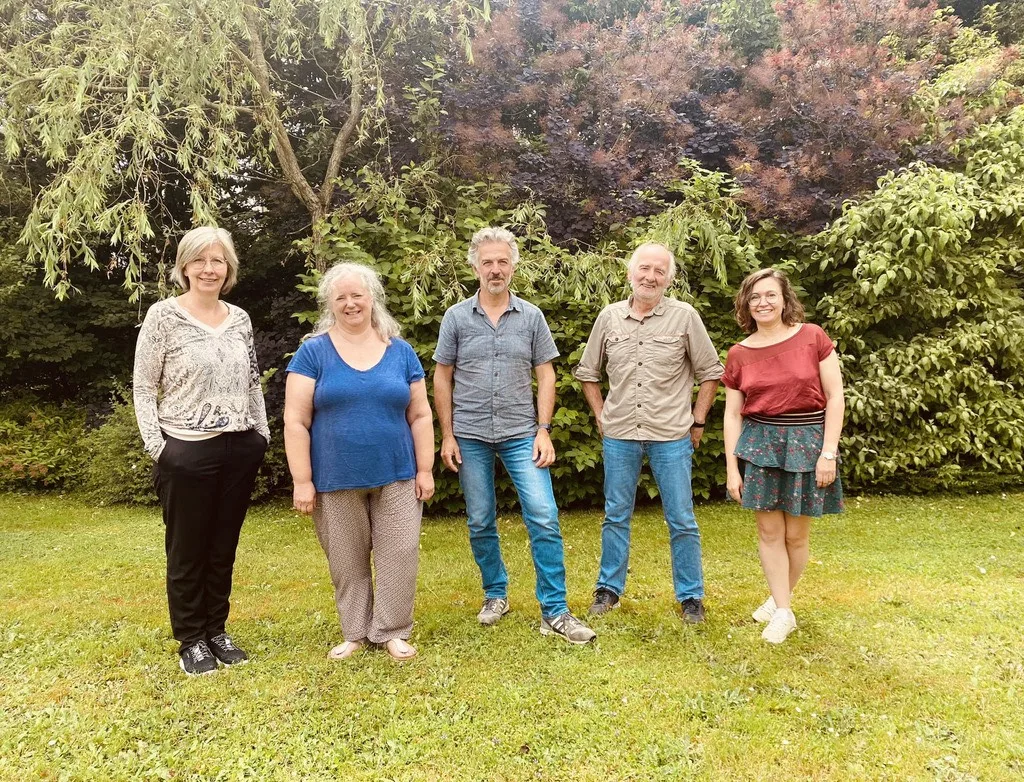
(792,309)
(191,247)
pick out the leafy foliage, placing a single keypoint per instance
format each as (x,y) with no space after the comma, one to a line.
(922,288)
(39,445)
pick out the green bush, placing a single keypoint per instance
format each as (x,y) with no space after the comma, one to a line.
(118,469)
(40,445)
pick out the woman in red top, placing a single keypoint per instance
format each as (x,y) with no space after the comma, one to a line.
(783,415)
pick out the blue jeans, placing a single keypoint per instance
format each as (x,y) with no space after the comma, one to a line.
(670,463)
(533,486)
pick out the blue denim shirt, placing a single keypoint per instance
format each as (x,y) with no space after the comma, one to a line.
(493,395)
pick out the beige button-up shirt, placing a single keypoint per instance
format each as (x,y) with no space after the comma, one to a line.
(652,365)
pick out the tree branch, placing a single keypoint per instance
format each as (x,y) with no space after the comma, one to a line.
(341,141)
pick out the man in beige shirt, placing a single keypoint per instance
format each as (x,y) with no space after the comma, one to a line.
(653,350)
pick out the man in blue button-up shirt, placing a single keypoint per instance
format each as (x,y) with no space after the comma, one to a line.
(489,348)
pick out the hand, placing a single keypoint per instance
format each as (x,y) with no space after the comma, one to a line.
(424,485)
(696,432)
(304,497)
(825,472)
(734,485)
(543,449)
(450,454)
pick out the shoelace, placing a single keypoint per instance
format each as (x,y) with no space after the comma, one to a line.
(603,598)
(199,652)
(492,604)
(226,642)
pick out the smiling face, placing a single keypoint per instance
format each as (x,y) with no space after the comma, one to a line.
(766,303)
(494,267)
(649,275)
(351,304)
(207,272)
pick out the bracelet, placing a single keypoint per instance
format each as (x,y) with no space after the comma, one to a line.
(697,425)
(545,427)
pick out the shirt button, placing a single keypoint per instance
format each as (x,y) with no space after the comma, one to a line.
(641,342)
(639,363)
(639,405)
(639,384)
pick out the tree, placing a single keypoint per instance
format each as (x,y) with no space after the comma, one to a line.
(140,108)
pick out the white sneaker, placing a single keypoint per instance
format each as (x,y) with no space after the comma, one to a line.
(765,611)
(781,625)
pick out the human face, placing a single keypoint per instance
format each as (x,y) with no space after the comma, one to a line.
(494,267)
(649,276)
(207,272)
(766,303)
(351,304)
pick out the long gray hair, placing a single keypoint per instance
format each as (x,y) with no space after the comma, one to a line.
(381,320)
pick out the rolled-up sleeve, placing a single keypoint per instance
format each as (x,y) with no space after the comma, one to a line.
(589,368)
(447,349)
(703,356)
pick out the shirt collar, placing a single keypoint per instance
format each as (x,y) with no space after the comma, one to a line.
(514,302)
(659,308)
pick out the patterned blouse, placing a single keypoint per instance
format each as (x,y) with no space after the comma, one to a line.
(195,381)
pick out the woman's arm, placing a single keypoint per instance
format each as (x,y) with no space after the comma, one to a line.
(298,417)
(149,368)
(835,407)
(733,424)
(421,422)
(257,404)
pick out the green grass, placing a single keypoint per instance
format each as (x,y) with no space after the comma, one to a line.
(908,664)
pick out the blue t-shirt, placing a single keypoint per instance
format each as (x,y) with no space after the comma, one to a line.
(360,438)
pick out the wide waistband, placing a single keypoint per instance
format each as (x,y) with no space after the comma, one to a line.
(789,419)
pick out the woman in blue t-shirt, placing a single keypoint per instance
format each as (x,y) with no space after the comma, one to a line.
(359,436)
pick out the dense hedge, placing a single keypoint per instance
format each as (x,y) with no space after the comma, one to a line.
(920,284)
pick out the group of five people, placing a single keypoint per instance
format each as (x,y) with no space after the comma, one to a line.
(359,437)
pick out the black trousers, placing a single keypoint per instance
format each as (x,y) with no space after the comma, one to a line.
(205,487)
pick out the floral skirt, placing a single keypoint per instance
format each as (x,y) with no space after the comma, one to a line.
(778,464)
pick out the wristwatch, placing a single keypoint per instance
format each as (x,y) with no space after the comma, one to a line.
(545,427)
(828,456)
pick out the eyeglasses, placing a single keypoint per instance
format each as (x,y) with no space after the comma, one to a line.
(217,264)
(771,297)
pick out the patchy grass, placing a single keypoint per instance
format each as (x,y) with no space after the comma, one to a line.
(908,663)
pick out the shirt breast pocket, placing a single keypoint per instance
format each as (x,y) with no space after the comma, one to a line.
(669,349)
(619,346)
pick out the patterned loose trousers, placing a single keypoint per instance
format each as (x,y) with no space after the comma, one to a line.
(351,524)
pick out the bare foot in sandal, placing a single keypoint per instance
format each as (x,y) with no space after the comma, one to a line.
(345,650)
(399,650)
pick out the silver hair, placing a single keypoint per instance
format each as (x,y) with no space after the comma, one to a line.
(191,247)
(380,319)
(492,234)
(634,258)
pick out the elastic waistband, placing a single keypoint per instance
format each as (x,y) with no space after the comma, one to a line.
(789,419)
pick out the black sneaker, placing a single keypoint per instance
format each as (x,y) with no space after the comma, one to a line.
(604,601)
(693,610)
(197,659)
(224,649)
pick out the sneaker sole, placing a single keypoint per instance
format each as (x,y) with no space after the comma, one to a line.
(226,664)
(181,664)
(545,631)
(603,610)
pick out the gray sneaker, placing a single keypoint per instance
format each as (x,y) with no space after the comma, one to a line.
(568,627)
(604,601)
(494,608)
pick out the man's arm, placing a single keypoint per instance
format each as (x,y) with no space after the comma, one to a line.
(450,455)
(543,448)
(592,393)
(701,408)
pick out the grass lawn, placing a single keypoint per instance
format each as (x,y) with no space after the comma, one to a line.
(908,663)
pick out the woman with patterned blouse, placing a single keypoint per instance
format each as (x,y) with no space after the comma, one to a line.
(783,416)
(202,418)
